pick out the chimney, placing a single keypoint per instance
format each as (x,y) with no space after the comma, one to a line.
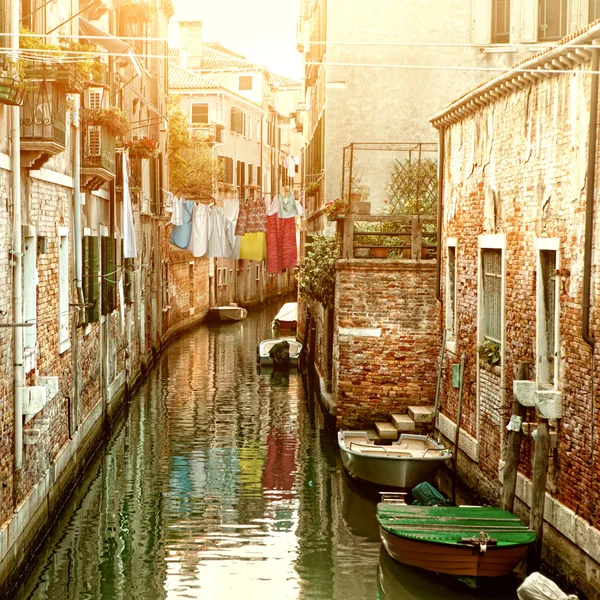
(190,42)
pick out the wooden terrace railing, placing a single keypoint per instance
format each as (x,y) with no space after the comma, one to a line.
(416,236)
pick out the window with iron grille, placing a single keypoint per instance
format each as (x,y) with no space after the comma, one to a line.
(199,113)
(491,262)
(500,21)
(552,19)
(547,307)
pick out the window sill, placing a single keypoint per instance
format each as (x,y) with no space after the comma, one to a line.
(451,346)
(498,49)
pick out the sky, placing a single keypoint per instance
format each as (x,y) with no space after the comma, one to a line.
(264,31)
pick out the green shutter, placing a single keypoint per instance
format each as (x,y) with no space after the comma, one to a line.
(86,277)
(108,275)
(93,287)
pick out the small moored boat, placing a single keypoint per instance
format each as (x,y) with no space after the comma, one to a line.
(278,353)
(463,541)
(230,312)
(402,464)
(287,316)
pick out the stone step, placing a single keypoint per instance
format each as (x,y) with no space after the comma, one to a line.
(402,422)
(421,414)
(386,430)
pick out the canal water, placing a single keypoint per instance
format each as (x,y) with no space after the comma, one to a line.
(222,483)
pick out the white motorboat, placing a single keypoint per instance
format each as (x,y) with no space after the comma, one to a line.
(287,317)
(230,312)
(269,353)
(402,464)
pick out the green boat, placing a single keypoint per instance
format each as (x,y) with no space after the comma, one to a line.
(464,541)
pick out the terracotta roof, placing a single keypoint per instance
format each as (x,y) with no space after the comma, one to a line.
(180,79)
(562,56)
(213,60)
(284,81)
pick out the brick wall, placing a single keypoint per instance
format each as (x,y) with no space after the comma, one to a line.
(517,168)
(386,345)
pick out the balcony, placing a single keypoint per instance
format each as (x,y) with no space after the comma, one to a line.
(98,165)
(43,123)
(208,132)
(388,236)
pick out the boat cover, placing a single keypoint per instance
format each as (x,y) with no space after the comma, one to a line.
(288,312)
(538,587)
(280,353)
(453,525)
(425,494)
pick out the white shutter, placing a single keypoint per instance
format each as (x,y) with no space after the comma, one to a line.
(481,24)
(94,98)
(529,25)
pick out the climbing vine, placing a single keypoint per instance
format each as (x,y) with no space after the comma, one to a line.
(317,275)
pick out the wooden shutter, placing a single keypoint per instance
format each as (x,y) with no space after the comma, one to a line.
(529,24)
(91,268)
(500,21)
(109,297)
(481,22)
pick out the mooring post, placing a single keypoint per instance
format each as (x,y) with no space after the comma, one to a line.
(538,496)
(513,449)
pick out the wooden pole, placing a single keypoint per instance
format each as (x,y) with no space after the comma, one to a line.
(439,380)
(538,495)
(348,240)
(457,434)
(513,450)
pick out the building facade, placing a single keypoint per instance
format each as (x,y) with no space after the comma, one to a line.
(519,293)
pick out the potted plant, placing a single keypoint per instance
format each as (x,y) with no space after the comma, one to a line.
(312,188)
(113,118)
(144,147)
(489,352)
(335,209)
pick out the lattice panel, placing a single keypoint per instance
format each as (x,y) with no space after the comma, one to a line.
(412,188)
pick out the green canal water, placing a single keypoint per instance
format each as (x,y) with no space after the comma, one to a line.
(222,483)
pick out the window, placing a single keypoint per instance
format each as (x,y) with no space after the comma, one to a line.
(245,82)
(237,120)
(199,113)
(500,21)
(451,290)
(227,163)
(250,174)
(552,19)
(258,273)
(63,289)
(547,312)
(492,294)
(593,10)
(30,300)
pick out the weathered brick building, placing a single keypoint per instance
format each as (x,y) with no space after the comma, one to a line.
(519,279)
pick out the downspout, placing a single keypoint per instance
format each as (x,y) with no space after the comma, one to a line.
(17,256)
(77,200)
(79,302)
(440,212)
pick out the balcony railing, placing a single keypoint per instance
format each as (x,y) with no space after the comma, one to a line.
(98,164)
(43,123)
(210,132)
(388,236)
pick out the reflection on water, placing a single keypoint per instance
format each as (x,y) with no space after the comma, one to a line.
(220,482)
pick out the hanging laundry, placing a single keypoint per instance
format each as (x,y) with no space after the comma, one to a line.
(232,210)
(180,235)
(199,236)
(219,241)
(271,206)
(253,246)
(129,249)
(300,208)
(273,244)
(287,206)
(291,167)
(288,244)
(177,211)
(252,217)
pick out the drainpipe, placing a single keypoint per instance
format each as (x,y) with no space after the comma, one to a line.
(589,203)
(77,200)
(17,260)
(440,213)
